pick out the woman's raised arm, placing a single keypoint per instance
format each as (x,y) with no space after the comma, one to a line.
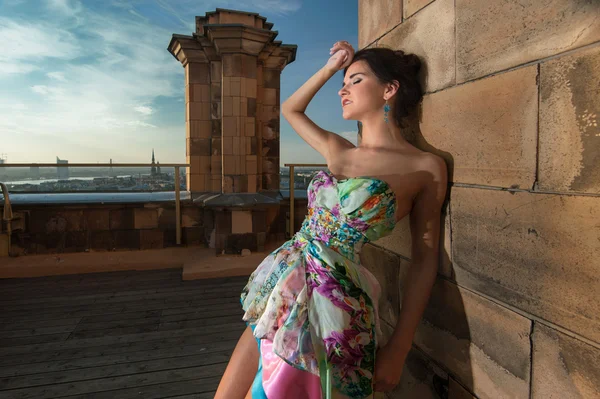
(294,107)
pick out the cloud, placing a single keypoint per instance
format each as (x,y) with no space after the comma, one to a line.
(144,109)
(27,46)
(60,76)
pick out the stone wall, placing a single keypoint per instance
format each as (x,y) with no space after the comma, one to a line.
(512,104)
(50,229)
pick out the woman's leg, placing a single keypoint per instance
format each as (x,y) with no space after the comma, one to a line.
(241,370)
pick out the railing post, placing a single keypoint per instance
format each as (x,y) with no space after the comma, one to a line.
(292,200)
(177,208)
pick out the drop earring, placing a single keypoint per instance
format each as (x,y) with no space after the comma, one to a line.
(386,110)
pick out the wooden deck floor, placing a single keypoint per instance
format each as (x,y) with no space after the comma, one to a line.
(117,335)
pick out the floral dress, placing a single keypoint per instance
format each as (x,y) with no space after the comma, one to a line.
(312,306)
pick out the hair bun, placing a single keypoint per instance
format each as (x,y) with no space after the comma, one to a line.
(410,60)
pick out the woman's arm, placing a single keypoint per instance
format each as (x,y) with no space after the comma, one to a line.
(425,231)
(294,107)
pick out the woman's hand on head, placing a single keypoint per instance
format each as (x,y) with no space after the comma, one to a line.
(341,56)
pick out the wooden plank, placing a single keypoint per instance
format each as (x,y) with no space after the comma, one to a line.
(148,305)
(119,306)
(71,354)
(35,297)
(223,342)
(112,383)
(32,324)
(123,339)
(115,370)
(110,298)
(204,388)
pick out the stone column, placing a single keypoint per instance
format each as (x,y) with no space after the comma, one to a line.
(233,69)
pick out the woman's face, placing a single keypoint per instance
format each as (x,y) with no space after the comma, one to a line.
(361,92)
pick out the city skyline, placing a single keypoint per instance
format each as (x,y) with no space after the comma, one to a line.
(94,81)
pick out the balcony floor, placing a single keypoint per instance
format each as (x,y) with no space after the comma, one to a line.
(117,335)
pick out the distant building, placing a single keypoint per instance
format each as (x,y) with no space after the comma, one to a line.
(158,168)
(62,172)
(153,169)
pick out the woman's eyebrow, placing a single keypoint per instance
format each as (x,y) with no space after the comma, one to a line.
(351,76)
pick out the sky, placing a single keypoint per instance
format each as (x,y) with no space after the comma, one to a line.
(92,80)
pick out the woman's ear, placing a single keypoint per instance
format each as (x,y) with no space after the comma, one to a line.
(392,88)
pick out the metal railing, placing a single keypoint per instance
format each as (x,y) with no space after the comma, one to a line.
(109,165)
(292,167)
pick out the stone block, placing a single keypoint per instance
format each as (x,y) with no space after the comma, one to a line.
(198,129)
(121,219)
(249,66)
(412,6)
(243,106)
(191,216)
(151,239)
(227,106)
(216,184)
(203,165)
(126,239)
(196,182)
(241,222)
(430,35)
(250,127)
(251,111)
(236,88)
(251,85)
(166,218)
(215,92)
(216,128)
(563,367)
(97,219)
(271,97)
(231,125)
(198,111)
(252,181)
(251,167)
(145,218)
(223,222)
(495,36)
(197,73)
(198,146)
(101,240)
(227,145)
(200,93)
(375,18)
(216,164)
(236,106)
(216,147)
(385,266)
(484,345)
(193,235)
(569,149)
(232,64)
(489,126)
(229,164)
(537,252)
(215,71)
(272,78)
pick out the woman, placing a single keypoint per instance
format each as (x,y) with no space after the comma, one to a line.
(311,308)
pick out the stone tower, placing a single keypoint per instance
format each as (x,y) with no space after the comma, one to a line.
(232,68)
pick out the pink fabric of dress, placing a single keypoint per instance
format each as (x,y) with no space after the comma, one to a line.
(280,380)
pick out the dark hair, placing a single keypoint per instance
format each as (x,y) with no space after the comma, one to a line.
(389,65)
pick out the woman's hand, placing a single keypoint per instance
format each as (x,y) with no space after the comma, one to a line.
(388,369)
(342,56)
